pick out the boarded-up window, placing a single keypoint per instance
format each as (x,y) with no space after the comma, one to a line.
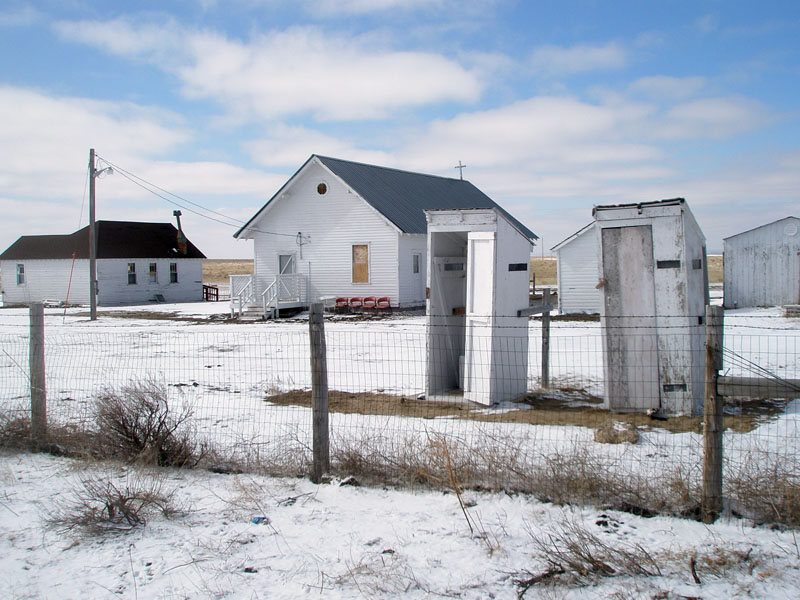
(360,263)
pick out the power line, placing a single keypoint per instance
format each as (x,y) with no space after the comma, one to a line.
(147,186)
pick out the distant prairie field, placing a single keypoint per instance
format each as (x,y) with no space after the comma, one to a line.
(217,270)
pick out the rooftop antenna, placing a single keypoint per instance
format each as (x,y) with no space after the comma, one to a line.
(460,168)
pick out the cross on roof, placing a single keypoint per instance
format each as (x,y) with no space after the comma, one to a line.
(460,168)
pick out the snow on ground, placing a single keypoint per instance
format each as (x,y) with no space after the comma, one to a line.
(339,541)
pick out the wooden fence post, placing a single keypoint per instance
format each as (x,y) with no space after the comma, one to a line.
(319,392)
(712,424)
(37,380)
(546,338)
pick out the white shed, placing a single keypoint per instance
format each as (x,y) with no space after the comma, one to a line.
(762,265)
(577,272)
(654,286)
(477,281)
(338,228)
(136,263)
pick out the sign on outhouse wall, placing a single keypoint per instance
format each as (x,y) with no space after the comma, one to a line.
(478,279)
(654,285)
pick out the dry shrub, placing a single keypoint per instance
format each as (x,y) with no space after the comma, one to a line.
(103,503)
(573,555)
(137,423)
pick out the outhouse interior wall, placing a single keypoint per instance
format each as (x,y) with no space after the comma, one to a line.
(445,308)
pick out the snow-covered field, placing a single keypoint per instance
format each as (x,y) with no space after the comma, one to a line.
(338,541)
(341,541)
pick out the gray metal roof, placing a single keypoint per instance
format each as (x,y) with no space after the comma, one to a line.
(789,218)
(403,196)
(115,239)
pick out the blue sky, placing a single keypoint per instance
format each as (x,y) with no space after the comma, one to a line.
(553,106)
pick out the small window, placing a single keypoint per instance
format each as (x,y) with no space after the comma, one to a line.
(131,273)
(20,274)
(453,266)
(415,263)
(360,263)
(153,273)
(173,272)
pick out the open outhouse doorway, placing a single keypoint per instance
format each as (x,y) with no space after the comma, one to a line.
(477,346)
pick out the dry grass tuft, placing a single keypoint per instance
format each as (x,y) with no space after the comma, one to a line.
(765,488)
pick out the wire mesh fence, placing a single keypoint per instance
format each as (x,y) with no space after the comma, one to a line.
(248,388)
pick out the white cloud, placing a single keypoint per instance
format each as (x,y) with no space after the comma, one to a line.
(668,88)
(285,146)
(19,16)
(44,173)
(539,133)
(559,61)
(360,7)
(303,70)
(711,118)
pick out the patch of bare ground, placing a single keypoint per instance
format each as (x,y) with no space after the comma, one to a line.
(152,315)
(569,407)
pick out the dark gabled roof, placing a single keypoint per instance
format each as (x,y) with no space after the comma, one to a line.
(403,196)
(115,239)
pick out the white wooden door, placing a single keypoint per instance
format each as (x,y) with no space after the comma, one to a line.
(287,282)
(630,318)
(478,368)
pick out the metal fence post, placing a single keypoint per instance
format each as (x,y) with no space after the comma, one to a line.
(712,424)
(319,392)
(546,338)
(37,380)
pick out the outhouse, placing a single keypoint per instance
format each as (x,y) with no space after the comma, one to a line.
(762,265)
(654,285)
(478,278)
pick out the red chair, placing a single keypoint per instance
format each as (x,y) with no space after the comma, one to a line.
(369,303)
(356,303)
(383,304)
(341,304)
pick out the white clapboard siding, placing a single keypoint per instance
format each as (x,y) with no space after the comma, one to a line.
(762,266)
(46,280)
(412,285)
(49,280)
(578,273)
(328,226)
(114,289)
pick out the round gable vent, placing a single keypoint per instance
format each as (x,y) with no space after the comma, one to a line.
(322,189)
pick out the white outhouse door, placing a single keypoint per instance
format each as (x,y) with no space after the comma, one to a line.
(630,310)
(480,302)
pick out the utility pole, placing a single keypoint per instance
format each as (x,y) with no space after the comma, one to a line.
(93,174)
(92,242)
